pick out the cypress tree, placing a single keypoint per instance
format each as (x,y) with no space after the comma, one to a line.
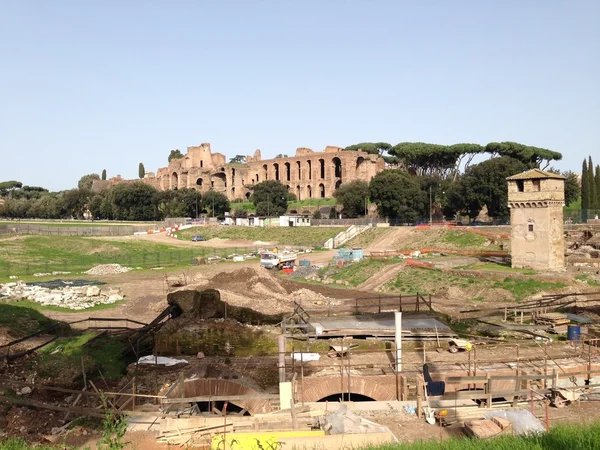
(104,174)
(585,191)
(592,186)
(141,170)
(597,179)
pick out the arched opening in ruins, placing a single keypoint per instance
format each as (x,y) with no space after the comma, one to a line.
(233,192)
(288,171)
(322,190)
(299,170)
(298,192)
(309,169)
(232,408)
(337,167)
(199,182)
(309,192)
(265,172)
(346,397)
(247,195)
(183,180)
(322,168)
(257,178)
(338,183)
(174,180)
(232,176)
(276,170)
(361,167)
(201,163)
(218,181)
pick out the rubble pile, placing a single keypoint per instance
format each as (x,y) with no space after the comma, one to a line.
(108,269)
(75,297)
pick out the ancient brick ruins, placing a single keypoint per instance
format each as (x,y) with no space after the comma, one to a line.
(308,174)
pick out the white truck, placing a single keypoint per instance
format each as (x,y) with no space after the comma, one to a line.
(270,260)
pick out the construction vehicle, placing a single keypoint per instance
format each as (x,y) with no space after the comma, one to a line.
(270,260)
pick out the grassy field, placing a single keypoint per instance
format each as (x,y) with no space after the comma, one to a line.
(298,236)
(20,321)
(366,238)
(562,437)
(26,255)
(359,272)
(75,223)
(424,281)
(497,268)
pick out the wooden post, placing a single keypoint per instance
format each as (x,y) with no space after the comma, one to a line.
(400,303)
(418,302)
(356,307)
(589,375)
(349,368)
(505,313)
(302,377)
(133,392)
(532,404)
(379,309)
(488,387)
(554,379)
(294,417)
(517,390)
(419,396)
(342,371)
(546,403)
(545,371)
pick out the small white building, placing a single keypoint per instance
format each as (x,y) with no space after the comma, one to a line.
(294,221)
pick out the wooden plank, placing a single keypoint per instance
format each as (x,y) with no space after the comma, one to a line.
(216,398)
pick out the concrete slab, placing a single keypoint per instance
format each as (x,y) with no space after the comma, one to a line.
(376,324)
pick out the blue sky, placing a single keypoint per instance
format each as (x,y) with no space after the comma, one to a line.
(109,84)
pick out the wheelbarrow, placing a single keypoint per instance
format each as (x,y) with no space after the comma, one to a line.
(456,345)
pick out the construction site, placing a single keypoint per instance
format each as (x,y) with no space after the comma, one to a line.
(403,334)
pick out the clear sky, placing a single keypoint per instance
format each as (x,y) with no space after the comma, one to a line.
(88,85)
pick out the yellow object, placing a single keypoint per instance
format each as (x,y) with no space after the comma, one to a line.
(257,441)
(444,413)
(469,346)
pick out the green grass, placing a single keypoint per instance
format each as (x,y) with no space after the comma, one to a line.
(497,268)
(561,437)
(75,223)
(412,280)
(522,289)
(39,307)
(463,239)
(311,202)
(359,272)
(368,237)
(587,279)
(44,254)
(62,359)
(296,236)
(20,321)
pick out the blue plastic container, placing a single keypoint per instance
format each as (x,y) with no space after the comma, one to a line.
(573,332)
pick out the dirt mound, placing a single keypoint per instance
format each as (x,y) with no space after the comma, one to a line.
(261,290)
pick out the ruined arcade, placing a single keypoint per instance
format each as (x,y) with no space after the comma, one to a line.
(308,174)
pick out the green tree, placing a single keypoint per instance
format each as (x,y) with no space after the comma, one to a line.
(134,201)
(74,202)
(270,198)
(597,179)
(316,214)
(238,159)
(103,174)
(141,170)
(532,157)
(175,154)
(572,188)
(7,187)
(398,195)
(240,212)
(592,185)
(352,196)
(483,184)
(333,213)
(86,181)
(215,203)
(585,190)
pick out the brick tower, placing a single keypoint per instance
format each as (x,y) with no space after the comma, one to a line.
(536,199)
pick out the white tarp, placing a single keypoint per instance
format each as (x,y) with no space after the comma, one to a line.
(161,360)
(306,356)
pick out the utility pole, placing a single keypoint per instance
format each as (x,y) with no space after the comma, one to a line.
(213,206)
(366,207)
(430,208)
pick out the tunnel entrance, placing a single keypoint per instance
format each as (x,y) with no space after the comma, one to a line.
(208,407)
(346,398)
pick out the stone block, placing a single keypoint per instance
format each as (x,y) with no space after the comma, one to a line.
(92,291)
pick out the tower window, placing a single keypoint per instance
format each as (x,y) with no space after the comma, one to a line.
(520,185)
(530,228)
(536,185)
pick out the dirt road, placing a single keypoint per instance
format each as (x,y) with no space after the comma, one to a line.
(378,280)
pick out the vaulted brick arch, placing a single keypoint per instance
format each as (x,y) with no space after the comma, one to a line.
(218,387)
(379,388)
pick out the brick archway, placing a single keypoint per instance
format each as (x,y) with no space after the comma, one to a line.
(379,388)
(219,387)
